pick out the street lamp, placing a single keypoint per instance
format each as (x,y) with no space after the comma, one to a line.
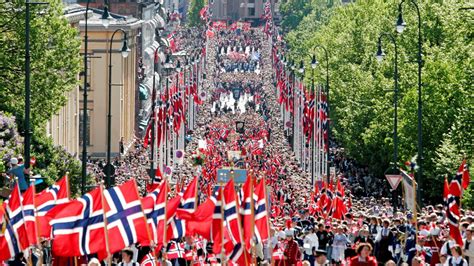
(105,23)
(314,63)
(400,27)
(106,17)
(109,169)
(301,69)
(380,56)
(27,128)
(168,67)
(153,113)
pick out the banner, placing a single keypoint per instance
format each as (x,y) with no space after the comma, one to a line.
(409,188)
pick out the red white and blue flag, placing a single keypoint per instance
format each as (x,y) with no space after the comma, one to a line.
(261,213)
(29,215)
(9,245)
(78,226)
(126,222)
(16,218)
(48,199)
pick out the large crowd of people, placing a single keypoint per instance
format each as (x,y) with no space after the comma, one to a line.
(371,232)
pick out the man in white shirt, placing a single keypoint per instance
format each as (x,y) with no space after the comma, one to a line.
(468,248)
(310,244)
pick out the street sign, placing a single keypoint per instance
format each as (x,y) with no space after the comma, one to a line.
(393,180)
(109,168)
(224,175)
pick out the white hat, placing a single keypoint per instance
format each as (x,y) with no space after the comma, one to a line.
(281,234)
(289,232)
(14,160)
(94,261)
(435,231)
(424,233)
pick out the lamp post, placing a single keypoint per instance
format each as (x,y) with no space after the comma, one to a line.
(168,67)
(105,21)
(326,55)
(380,56)
(109,169)
(293,81)
(313,66)
(400,27)
(153,113)
(27,128)
(299,147)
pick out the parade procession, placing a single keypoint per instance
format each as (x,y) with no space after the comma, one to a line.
(242,132)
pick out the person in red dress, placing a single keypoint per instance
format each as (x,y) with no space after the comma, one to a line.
(363,257)
(292,252)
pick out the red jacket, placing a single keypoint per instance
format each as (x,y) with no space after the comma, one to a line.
(292,253)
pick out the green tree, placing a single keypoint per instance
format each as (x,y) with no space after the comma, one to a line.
(55,64)
(55,59)
(194,18)
(362,89)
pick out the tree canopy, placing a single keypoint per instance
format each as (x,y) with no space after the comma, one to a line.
(194,18)
(362,89)
(55,60)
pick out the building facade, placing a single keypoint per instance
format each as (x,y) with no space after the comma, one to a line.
(249,10)
(124,87)
(63,127)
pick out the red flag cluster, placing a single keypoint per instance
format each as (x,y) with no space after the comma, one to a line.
(453,198)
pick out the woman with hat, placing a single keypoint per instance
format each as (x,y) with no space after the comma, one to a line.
(363,257)
(456,259)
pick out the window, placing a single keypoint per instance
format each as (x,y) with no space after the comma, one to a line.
(88,127)
(251,11)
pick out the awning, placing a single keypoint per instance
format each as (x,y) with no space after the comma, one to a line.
(143,92)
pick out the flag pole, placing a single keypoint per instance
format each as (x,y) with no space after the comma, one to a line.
(165,243)
(239,221)
(222,226)
(252,216)
(270,252)
(144,216)
(109,258)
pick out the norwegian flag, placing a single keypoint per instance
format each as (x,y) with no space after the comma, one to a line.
(200,222)
(232,225)
(261,214)
(154,206)
(16,217)
(29,215)
(48,199)
(204,13)
(148,136)
(217,223)
(78,226)
(189,198)
(463,172)
(188,205)
(126,222)
(246,210)
(9,245)
(453,214)
(445,191)
(339,208)
(324,120)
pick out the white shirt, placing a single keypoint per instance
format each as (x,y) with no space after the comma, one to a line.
(310,241)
